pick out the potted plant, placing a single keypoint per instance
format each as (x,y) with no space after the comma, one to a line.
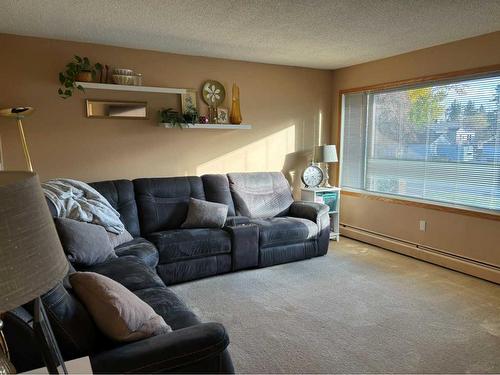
(80,69)
(169,116)
(176,119)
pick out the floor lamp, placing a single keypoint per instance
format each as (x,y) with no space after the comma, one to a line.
(19,113)
(32,260)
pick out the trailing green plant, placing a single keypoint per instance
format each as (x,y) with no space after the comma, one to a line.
(176,119)
(73,68)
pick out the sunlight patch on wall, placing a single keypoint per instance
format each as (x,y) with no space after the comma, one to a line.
(266,154)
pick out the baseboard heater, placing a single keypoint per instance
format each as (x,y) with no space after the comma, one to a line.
(429,254)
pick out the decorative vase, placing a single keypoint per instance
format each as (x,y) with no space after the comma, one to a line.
(84,76)
(235,106)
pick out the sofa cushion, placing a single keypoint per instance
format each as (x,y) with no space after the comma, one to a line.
(140,248)
(285,230)
(163,202)
(180,244)
(216,188)
(120,195)
(118,312)
(260,194)
(84,244)
(166,303)
(145,283)
(129,271)
(203,214)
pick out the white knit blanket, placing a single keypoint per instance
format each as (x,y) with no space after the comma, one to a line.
(77,200)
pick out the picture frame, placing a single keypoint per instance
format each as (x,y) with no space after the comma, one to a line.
(188,101)
(222,115)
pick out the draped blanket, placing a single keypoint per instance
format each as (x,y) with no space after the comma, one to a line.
(77,200)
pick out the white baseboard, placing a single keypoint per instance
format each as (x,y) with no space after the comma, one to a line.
(435,256)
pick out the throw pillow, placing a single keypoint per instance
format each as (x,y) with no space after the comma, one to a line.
(118,312)
(119,239)
(84,244)
(203,214)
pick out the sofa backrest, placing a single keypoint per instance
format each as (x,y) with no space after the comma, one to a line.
(163,202)
(120,194)
(217,190)
(260,194)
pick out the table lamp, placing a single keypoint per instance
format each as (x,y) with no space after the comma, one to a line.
(325,154)
(32,260)
(19,113)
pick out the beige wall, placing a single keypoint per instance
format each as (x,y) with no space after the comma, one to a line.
(473,238)
(285,105)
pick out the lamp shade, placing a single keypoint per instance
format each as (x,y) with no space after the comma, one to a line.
(325,154)
(32,260)
(16,112)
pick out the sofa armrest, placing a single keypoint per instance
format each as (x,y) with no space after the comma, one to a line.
(176,351)
(232,221)
(317,212)
(244,245)
(21,340)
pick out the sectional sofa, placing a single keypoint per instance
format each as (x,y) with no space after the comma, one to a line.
(265,226)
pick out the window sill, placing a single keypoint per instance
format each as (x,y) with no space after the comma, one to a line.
(422,204)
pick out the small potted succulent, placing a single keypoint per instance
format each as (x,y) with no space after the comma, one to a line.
(80,69)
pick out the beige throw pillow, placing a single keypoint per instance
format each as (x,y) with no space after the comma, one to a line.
(118,312)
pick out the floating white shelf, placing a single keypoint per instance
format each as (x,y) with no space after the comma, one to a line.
(109,86)
(208,126)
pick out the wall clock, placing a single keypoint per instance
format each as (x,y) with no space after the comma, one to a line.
(312,176)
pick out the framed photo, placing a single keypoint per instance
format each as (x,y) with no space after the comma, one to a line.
(222,115)
(188,102)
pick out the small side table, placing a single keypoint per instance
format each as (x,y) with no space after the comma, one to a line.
(331,197)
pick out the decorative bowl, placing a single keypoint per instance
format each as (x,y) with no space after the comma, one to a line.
(123,79)
(123,72)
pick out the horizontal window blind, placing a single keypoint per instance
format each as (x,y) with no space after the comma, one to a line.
(437,142)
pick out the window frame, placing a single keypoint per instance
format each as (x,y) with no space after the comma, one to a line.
(408,201)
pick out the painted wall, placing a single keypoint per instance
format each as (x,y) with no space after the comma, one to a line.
(288,108)
(473,238)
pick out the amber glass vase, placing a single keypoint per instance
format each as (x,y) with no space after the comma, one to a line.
(235,116)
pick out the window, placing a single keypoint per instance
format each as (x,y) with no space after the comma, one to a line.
(436,142)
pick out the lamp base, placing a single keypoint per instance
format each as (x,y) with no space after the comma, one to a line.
(326,181)
(46,340)
(6,367)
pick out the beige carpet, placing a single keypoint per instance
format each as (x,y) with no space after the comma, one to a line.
(358,309)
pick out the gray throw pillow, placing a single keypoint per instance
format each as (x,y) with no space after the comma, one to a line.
(84,244)
(118,312)
(203,214)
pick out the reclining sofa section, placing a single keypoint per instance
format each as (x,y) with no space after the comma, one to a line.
(264,226)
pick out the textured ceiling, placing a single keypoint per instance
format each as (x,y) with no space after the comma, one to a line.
(310,33)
